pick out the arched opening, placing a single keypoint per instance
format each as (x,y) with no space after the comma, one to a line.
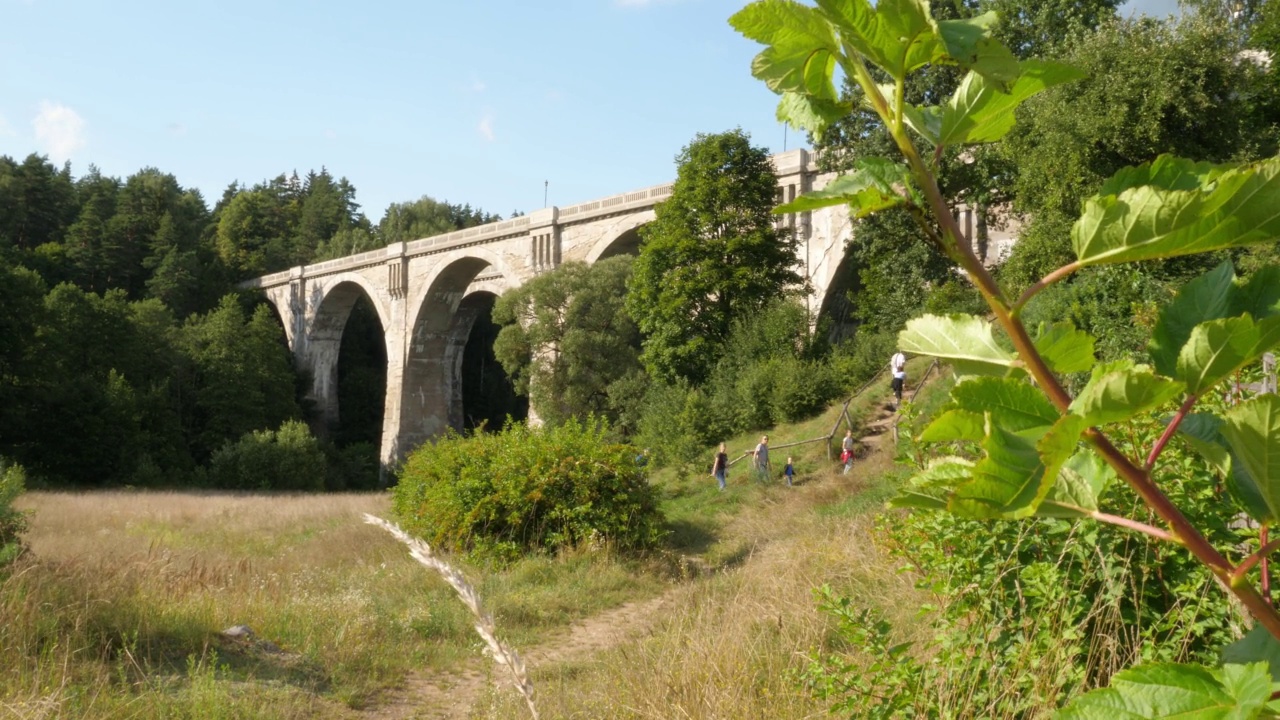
(347,354)
(362,379)
(835,314)
(432,391)
(628,243)
(488,396)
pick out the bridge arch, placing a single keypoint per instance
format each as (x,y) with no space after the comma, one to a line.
(623,240)
(441,316)
(333,302)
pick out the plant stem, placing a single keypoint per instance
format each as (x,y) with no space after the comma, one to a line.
(1266,562)
(1196,543)
(1124,522)
(1260,555)
(1137,478)
(1043,283)
(1169,431)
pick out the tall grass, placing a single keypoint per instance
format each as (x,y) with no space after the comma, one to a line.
(118,610)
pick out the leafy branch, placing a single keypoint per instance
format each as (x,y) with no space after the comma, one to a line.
(1044,452)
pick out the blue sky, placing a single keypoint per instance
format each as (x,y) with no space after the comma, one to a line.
(477,102)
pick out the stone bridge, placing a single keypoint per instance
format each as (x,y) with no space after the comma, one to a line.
(427,293)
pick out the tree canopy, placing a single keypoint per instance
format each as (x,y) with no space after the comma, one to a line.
(712,255)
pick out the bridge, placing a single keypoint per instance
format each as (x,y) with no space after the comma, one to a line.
(428,293)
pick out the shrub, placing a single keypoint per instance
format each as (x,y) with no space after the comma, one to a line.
(528,488)
(284,459)
(12,522)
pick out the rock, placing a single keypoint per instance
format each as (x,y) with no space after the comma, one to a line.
(238,632)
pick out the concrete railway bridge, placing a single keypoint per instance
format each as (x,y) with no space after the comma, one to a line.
(428,293)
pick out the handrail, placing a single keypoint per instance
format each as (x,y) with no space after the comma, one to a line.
(844,412)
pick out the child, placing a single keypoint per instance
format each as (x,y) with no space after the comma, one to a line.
(789,471)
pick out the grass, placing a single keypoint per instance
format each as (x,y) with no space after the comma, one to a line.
(119,608)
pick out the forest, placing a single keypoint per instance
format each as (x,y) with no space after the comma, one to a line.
(129,358)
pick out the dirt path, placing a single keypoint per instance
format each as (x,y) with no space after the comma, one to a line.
(435,695)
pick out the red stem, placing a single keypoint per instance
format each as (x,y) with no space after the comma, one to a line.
(1043,283)
(1137,478)
(1169,431)
(1266,570)
(1124,522)
(1258,556)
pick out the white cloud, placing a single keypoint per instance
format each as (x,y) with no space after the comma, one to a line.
(485,128)
(59,130)
(330,134)
(478,86)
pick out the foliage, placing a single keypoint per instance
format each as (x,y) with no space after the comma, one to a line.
(569,342)
(773,370)
(12,522)
(712,256)
(241,375)
(528,488)
(285,459)
(1024,449)
(1150,87)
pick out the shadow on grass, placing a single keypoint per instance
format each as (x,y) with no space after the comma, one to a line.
(694,536)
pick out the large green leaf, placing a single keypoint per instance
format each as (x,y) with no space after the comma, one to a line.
(1008,482)
(1079,484)
(897,35)
(1064,348)
(1201,431)
(968,43)
(1258,645)
(1013,404)
(1120,390)
(802,46)
(1237,207)
(1167,690)
(1252,429)
(1167,172)
(875,184)
(979,112)
(811,114)
(1259,295)
(1218,348)
(930,488)
(953,426)
(965,341)
(1208,297)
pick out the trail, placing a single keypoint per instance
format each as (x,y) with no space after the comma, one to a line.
(446,695)
(441,695)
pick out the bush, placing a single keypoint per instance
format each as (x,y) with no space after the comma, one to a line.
(528,488)
(12,522)
(284,459)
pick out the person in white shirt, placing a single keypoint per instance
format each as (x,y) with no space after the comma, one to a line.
(898,366)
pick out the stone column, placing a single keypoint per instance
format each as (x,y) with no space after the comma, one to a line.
(397,333)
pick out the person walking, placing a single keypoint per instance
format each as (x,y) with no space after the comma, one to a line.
(760,458)
(846,451)
(789,471)
(898,366)
(720,466)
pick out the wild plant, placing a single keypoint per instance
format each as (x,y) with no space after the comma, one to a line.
(501,653)
(1040,451)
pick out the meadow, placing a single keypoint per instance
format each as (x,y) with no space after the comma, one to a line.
(120,607)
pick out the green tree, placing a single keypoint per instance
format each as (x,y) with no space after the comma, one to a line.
(713,254)
(241,375)
(426,217)
(1152,87)
(568,339)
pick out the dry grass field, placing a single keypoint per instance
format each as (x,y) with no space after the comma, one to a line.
(119,608)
